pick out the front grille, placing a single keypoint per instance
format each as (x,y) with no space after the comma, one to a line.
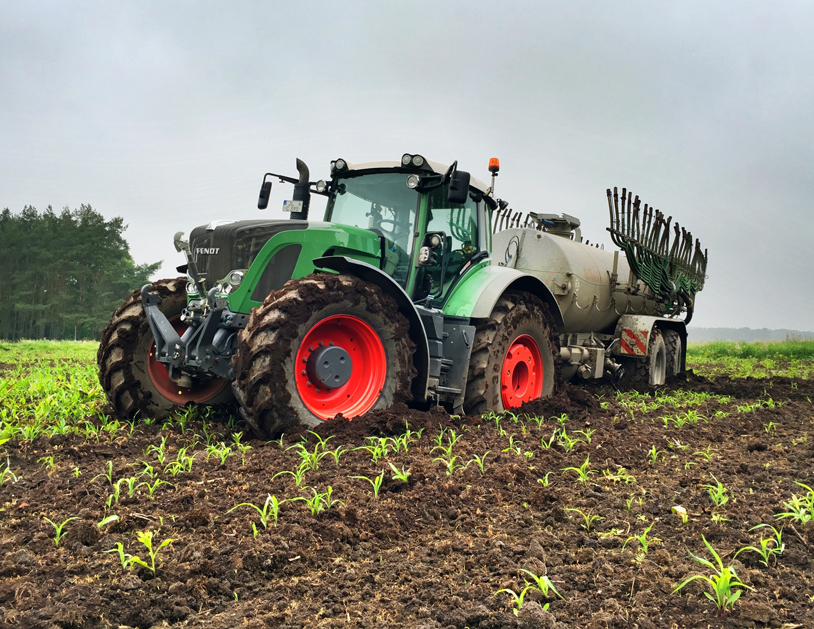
(237,245)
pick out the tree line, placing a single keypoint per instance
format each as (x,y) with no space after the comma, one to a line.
(63,274)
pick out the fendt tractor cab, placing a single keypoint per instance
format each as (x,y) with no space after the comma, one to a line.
(418,285)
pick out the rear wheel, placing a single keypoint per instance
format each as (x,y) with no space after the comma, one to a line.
(512,356)
(321,346)
(652,369)
(133,380)
(675,352)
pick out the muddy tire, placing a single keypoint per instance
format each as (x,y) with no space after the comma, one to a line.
(512,356)
(652,369)
(134,382)
(675,352)
(323,345)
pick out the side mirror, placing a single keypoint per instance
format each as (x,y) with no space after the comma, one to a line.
(265,193)
(179,242)
(458,187)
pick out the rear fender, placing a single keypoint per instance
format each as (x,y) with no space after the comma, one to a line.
(633,332)
(476,295)
(369,273)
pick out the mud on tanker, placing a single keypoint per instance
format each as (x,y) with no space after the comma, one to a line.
(418,285)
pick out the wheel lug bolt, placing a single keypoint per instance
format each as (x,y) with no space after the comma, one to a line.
(308,384)
(331,343)
(321,343)
(302,373)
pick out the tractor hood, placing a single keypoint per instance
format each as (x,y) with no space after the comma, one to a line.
(222,246)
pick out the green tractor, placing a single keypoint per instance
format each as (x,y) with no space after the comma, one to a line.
(418,286)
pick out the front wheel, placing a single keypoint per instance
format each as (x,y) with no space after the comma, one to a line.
(131,377)
(321,346)
(512,356)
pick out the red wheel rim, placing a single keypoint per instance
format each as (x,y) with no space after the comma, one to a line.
(358,395)
(521,379)
(200,391)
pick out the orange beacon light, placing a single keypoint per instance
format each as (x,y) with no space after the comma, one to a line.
(494,165)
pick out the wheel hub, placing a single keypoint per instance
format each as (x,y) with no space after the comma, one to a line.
(521,379)
(329,366)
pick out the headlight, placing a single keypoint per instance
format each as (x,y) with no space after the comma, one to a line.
(235,278)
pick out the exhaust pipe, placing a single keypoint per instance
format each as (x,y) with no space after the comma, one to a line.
(302,192)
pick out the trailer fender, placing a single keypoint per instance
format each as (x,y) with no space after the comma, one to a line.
(369,273)
(633,332)
(478,293)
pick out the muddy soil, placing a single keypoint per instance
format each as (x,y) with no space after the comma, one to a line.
(431,552)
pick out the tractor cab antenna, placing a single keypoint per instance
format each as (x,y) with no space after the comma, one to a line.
(494,167)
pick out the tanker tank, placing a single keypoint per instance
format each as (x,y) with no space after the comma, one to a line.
(580,276)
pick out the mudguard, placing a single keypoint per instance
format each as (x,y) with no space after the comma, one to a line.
(633,332)
(476,295)
(369,273)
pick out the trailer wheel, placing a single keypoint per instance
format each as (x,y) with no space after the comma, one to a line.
(674,347)
(321,346)
(133,381)
(652,369)
(512,356)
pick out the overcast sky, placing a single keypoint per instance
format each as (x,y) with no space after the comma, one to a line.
(169,113)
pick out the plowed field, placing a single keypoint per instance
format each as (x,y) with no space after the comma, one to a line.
(432,550)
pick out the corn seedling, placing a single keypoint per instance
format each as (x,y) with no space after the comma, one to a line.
(146,538)
(319,502)
(653,455)
(566,442)
(582,471)
(800,509)
(270,509)
(513,447)
(220,451)
(376,482)
(682,514)
(561,419)
(770,427)
(587,433)
(59,529)
(378,448)
(151,488)
(47,462)
(450,463)
(588,517)
(540,584)
(726,588)
(108,474)
(108,520)
(403,476)
(620,475)
(717,492)
(298,474)
(148,471)
(75,469)
(769,547)
(124,558)
(336,453)
(160,451)
(543,583)
(550,442)
(479,461)
(705,454)
(544,480)
(644,543)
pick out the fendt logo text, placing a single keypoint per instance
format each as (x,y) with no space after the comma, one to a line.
(207,250)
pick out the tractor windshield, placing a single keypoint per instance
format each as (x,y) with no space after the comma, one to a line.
(383,202)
